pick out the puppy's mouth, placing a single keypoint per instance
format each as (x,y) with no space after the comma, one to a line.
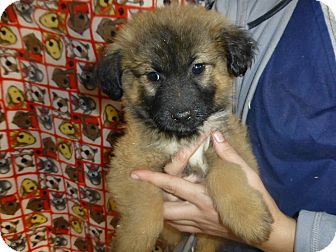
(180,124)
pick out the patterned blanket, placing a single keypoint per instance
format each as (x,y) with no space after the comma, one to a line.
(56,128)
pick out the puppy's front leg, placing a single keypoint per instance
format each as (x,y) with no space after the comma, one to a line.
(207,243)
(142,217)
(241,208)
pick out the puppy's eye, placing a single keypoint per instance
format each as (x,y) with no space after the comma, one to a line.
(198,68)
(153,76)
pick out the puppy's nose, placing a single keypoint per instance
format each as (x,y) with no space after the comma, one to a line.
(181,115)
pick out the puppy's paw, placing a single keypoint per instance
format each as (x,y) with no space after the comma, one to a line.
(256,224)
(248,218)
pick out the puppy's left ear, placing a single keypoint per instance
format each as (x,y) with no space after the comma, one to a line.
(107,75)
(239,50)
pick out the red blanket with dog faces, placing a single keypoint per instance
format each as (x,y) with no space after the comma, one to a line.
(56,128)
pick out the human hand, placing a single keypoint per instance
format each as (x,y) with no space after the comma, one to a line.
(196,213)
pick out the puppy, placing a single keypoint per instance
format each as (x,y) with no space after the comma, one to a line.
(107,28)
(79,19)
(8,227)
(63,78)
(174,68)
(33,45)
(8,62)
(58,201)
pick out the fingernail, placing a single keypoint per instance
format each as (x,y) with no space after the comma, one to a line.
(219,138)
(135,176)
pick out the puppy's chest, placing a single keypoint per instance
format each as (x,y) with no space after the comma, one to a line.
(198,163)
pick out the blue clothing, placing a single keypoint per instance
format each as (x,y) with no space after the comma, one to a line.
(292,120)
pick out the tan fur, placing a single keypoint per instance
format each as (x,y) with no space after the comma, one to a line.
(240,207)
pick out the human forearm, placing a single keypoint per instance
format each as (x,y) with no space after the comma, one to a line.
(282,237)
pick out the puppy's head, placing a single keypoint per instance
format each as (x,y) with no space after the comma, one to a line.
(174,67)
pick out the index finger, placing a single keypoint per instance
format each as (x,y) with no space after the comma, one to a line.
(179,187)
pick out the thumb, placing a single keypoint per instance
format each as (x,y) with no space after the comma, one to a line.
(224,150)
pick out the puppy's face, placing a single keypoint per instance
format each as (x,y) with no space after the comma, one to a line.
(175,67)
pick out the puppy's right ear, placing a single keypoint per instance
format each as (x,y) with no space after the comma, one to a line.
(107,75)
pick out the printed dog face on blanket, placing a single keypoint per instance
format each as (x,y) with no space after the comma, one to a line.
(173,69)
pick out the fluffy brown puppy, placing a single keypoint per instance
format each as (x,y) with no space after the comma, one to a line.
(174,67)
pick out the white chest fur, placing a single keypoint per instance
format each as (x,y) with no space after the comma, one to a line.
(197,160)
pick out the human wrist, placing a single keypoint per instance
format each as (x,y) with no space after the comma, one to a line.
(282,236)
